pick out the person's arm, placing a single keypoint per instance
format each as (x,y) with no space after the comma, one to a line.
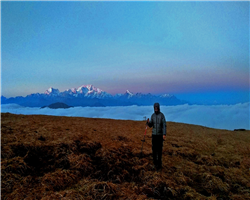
(164,123)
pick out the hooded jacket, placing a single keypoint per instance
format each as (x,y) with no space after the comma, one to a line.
(158,122)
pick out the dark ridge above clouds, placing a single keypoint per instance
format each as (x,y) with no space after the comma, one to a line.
(57,105)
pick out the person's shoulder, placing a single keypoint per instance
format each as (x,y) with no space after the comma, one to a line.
(162,114)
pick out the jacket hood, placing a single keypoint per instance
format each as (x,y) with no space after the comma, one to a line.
(158,106)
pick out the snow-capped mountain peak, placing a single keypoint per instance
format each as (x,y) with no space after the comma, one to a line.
(92,92)
(52,91)
(82,89)
(166,95)
(89,88)
(128,94)
(73,90)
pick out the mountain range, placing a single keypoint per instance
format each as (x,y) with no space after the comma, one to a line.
(89,95)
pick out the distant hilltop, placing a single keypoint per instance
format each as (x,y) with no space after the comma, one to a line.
(57,105)
(89,95)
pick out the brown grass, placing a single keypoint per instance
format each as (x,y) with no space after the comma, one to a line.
(47,157)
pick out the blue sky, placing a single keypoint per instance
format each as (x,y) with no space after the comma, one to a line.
(198,51)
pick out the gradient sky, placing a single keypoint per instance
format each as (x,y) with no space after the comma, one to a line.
(195,50)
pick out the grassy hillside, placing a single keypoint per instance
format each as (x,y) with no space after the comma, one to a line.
(48,157)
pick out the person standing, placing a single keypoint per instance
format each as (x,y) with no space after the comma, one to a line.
(158,122)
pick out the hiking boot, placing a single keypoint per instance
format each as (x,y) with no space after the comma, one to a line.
(159,168)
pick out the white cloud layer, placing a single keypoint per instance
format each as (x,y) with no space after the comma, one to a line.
(216,116)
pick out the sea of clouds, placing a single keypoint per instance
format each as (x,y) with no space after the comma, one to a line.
(228,117)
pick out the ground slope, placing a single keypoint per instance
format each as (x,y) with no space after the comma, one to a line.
(48,157)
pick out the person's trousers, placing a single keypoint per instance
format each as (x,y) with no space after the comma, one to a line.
(157,143)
